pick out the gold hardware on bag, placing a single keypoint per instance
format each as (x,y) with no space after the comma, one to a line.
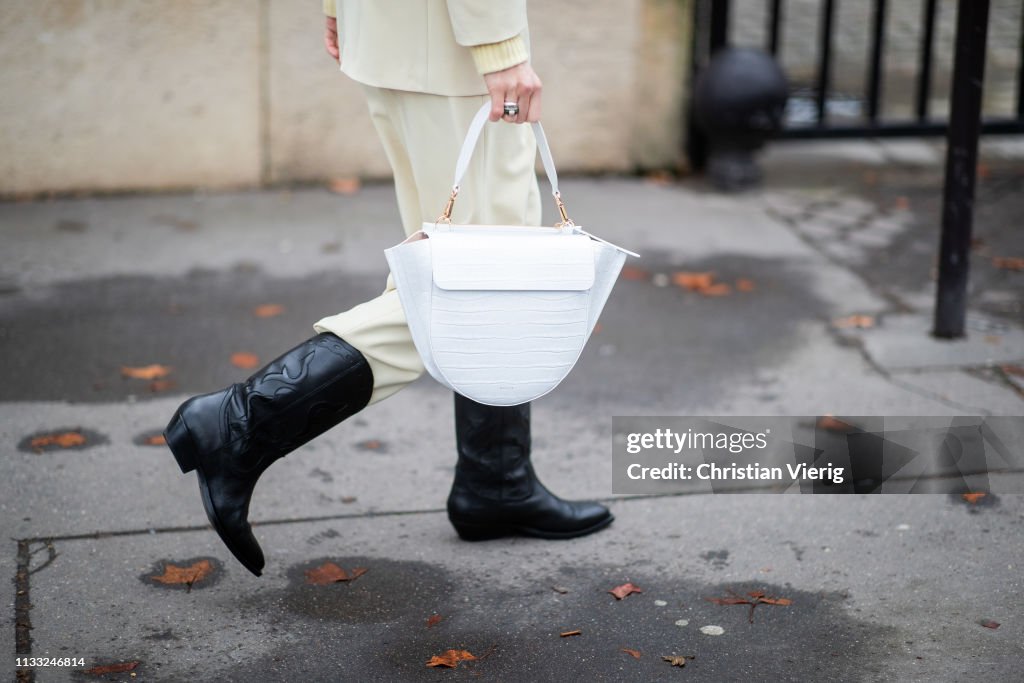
(566,221)
(446,214)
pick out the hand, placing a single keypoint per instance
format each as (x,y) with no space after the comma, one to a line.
(331,38)
(519,84)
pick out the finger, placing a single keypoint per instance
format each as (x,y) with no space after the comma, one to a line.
(524,107)
(534,114)
(497,105)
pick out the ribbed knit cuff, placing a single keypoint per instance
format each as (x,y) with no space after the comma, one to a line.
(330,9)
(499,56)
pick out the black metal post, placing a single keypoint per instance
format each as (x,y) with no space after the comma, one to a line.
(824,57)
(875,69)
(924,76)
(774,26)
(719,24)
(961,167)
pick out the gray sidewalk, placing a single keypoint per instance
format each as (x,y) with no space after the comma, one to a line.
(882,587)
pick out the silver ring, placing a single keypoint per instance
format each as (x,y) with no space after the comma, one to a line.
(511,109)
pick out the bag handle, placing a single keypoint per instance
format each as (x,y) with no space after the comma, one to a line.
(473,135)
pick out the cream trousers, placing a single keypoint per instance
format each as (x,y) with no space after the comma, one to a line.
(422,135)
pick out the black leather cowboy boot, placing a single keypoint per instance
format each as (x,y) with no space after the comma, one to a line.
(231,436)
(496,492)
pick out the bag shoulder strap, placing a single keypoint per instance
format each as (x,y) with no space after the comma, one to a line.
(473,136)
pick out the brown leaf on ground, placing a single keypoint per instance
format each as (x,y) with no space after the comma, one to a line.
(433,620)
(775,601)
(744,285)
(268,310)
(973,497)
(159,385)
(635,654)
(104,669)
(345,185)
(625,589)
(753,598)
(692,281)
(451,658)
(902,203)
(1011,369)
(635,274)
(856,320)
(1008,262)
(993,338)
(155,440)
(676,660)
(659,177)
(717,289)
(245,360)
(175,575)
(568,634)
(154,371)
(830,423)
(988,623)
(58,439)
(329,573)
(560,589)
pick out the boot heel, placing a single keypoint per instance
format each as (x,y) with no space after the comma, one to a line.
(480,532)
(180,442)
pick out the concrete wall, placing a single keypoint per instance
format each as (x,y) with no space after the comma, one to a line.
(106,95)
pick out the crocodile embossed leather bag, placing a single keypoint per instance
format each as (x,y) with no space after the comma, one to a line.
(500,314)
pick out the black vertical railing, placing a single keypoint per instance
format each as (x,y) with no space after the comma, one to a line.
(711,19)
(924,67)
(874,89)
(824,58)
(961,167)
(774,29)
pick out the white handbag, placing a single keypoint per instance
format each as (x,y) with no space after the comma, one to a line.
(500,314)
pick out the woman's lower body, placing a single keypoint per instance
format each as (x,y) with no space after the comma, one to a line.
(365,354)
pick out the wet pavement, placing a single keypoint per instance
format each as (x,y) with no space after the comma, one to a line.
(111,559)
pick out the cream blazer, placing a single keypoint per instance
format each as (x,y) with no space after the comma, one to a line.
(429,45)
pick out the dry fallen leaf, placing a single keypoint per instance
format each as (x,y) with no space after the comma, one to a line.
(634,273)
(625,589)
(717,289)
(676,660)
(245,360)
(567,634)
(692,281)
(1008,262)
(744,285)
(175,575)
(902,203)
(973,497)
(154,371)
(1011,369)
(451,658)
(58,439)
(159,385)
(268,310)
(155,440)
(988,623)
(560,589)
(858,321)
(105,669)
(753,598)
(345,185)
(635,654)
(434,620)
(833,424)
(329,573)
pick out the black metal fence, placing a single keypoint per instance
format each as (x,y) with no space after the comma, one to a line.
(712,21)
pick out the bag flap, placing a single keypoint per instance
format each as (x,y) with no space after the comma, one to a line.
(507,261)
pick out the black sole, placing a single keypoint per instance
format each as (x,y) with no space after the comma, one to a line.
(468,531)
